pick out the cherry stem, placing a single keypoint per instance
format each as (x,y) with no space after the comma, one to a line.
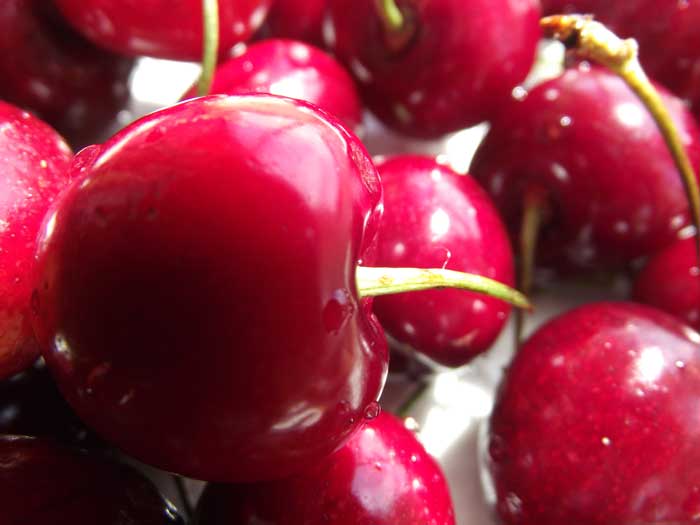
(409,404)
(372,282)
(533,211)
(210,45)
(391,16)
(592,40)
(182,494)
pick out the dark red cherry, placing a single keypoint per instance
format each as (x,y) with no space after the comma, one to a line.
(596,423)
(42,482)
(454,68)
(435,218)
(30,404)
(295,19)
(670,281)
(381,476)
(584,141)
(52,71)
(162,28)
(292,69)
(217,243)
(35,162)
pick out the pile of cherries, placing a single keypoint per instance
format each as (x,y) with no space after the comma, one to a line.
(214,290)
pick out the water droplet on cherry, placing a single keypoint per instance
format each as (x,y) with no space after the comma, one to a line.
(372,410)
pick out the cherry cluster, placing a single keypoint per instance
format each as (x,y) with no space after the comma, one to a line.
(214,290)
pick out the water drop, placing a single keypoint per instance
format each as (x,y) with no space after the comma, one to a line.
(372,410)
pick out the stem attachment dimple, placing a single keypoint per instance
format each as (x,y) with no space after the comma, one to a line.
(592,40)
(391,16)
(210,45)
(382,281)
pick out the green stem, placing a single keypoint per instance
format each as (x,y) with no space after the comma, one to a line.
(391,16)
(533,208)
(382,281)
(409,404)
(592,40)
(210,45)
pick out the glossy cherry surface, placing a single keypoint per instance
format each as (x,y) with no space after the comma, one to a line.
(462,60)
(381,476)
(35,162)
(162,28)
(670,281)
(669,42)
(44,483)
(30,404)
(217,242)
(293,69)
(52,71)
(584,140)
(596,422)
(295,19)
(435,218)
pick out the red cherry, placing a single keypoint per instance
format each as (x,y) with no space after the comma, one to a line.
(162,28)
(612,190)
(35,160)
(670,281)
(49,69)
(381,476)
(435,218)
(292,69)
(217,242)
(295,19)
(596,421)
(42,482)
(461,59)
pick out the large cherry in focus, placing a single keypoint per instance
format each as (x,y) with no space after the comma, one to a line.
(44,483)
(449,68)
(161,28)
(670,281)
(295,19)
(586,144)
(52,71)
(35,161)
(381,476)
(293,69)
(435,218)
(196,294)
(596,421)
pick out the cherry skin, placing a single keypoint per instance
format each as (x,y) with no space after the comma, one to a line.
(669,281)
(461,59)
(52,71)
(435,218)
(595,421)
(162,28)
(381,476)
(295,19)
(42,482)
(584,140)
(217,242)
(30,404)
(35,161)
(292,69)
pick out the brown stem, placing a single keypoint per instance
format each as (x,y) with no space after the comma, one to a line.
(592,40)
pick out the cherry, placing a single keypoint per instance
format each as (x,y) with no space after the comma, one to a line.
(448,66)
(292,69)
(434,217)
(52,71)
(381,476)
(217,243)
(34,170)
(42,482)
(295,19)
(669,281)
(595,421)
(161,28)
(610,191)
(30,404)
